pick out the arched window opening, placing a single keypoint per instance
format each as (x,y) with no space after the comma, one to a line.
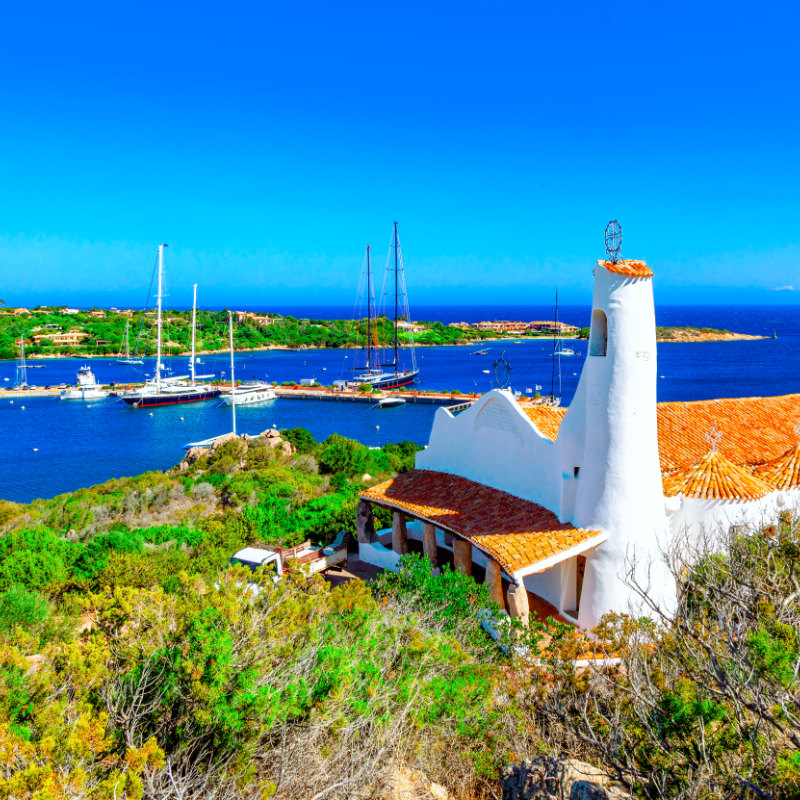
(598,339)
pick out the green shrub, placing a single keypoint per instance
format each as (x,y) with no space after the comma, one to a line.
(450,602)
(340,454)
(22,608)
(303,441)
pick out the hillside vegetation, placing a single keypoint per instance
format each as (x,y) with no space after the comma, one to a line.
(133,664)
(105,334)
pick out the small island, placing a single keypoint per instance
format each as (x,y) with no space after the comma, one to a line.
(690,334)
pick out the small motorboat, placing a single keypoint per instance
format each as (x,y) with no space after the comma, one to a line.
(390,402)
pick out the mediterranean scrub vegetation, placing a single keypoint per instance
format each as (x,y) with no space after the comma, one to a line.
(133,664)
(102,332)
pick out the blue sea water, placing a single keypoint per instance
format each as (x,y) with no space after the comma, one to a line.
(54,446)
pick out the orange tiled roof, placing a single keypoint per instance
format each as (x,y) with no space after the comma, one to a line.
(546,418)
(629,268)
(515,532)
(754,430)
(713,477)
(782,472)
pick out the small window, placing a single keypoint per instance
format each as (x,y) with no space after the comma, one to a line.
(598,338)
(576,471)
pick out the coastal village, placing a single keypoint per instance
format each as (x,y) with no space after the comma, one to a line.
(506,513)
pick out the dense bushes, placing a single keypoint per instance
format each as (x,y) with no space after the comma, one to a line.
(181,681)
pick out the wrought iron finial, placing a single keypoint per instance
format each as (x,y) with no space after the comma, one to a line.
(502,370)
(713,437)
(613,241)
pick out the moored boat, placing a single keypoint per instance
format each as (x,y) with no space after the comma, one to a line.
(387,374)
(390,402)
(163,391)
(128,359)
(86,387)
(249,394)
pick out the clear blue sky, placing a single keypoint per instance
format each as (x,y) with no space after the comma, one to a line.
(268,143)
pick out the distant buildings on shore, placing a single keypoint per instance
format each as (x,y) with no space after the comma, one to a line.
(508,326)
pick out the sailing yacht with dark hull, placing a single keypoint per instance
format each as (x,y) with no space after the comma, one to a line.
(386,375)
(168,391)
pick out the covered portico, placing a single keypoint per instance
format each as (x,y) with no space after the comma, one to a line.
(508,538)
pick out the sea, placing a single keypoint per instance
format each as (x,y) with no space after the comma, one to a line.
(54,446)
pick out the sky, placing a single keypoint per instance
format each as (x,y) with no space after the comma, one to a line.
(269,143)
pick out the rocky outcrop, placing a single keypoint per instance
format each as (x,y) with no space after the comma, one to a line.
(406,784)
(274,441)
(270,437)
(545,778)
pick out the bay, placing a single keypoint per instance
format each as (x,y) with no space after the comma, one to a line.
(54,446)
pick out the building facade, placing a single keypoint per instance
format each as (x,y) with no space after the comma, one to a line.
(568,505)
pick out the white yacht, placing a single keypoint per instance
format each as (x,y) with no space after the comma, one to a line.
(86,387)
(249,394)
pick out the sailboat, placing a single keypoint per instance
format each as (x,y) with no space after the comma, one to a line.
(387,375)
(168,391)
(127,360)
(210,441)
(554,399)
(21,374)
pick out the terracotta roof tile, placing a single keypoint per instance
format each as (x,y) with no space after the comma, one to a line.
(515,532)
(628,268)
(782,472)
(713,477)
(754,430)
(546,418)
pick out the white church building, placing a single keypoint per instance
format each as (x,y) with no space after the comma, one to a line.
(554,503)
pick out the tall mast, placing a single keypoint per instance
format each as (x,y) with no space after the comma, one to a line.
(194,330)
(556,355)
(369,313)
(396,290)
(158,315)
(233,378)
(23,369)
(127,342)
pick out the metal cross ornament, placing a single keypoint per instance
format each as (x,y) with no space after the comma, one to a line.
(613,241)
(502,370)
(713,437)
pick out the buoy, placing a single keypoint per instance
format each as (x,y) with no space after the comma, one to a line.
(181,419)
(12,402)
(35,449)
(377,427)
(151,413)
(23,408)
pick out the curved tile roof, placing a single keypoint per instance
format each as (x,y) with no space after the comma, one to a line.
(547,419)
(628,268)
(754,430)
(713,477)
(782,472)
(515,532)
